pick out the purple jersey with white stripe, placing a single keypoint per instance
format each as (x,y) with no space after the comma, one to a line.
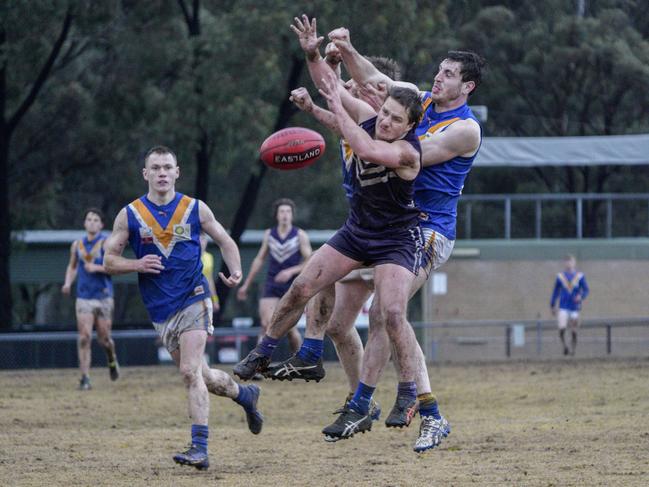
(381,201)
(282,254)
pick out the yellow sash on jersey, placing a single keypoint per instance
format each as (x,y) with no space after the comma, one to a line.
(437,127)
(570,285)
(163,238)
(93,253)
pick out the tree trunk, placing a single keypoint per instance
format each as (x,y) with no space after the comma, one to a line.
(5,229)
(249,198)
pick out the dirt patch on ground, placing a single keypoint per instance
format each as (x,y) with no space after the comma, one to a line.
(547,423)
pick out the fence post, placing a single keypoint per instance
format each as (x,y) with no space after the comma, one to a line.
(508,218)
(508,341)
(538,219)
(539,333)
(608,339)
(609,218)
(467,221)
(579,217)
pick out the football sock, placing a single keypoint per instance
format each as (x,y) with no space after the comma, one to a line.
(428,405)
(407,389)
(200,433)
(362,397)
(244,398)
(311,350)
(267,346)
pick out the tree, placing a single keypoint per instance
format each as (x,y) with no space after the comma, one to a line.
(10,119)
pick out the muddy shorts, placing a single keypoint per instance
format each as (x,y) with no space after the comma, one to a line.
(100,308)
(196,316)
(437,250)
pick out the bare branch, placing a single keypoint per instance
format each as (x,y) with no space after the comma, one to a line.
(42,75)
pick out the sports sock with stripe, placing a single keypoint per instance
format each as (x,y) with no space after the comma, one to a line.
(267,346)
(200,434)
(407,389)
(362,397)
(428,405)
(311,350)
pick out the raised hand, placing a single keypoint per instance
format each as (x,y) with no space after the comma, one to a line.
(301,98)
(329,90)
(307,35)
(340,37)
(373,95)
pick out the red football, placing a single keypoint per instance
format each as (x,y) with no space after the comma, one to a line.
(292,148)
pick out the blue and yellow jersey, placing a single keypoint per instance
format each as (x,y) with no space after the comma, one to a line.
(567,287)
(92,285)
(438,187)
(346,158)
(171,231)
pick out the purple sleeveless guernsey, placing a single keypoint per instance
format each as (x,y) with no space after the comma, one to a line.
(282,254)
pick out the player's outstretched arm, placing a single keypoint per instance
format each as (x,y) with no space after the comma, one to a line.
(229,249)
(114,263)
(397,155)
(255,267)
(70,270)
(319,69)
(359,67)
(302,99)
(462,138)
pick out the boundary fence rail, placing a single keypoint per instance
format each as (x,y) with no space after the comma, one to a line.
(441,341)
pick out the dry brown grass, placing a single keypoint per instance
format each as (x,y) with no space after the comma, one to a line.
(563,423)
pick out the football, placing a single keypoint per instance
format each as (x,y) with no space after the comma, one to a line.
(292,148)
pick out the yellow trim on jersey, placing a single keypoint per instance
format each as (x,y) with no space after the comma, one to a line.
(163,235)
(570,285)
(438,126)
(91,255)
(426,104)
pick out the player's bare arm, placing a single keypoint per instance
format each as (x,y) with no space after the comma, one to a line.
(229,249)
(397,155)
(255,267)
(302,99)
(462,138)
(114,247)
(358,66)
(306,32)
(70,270)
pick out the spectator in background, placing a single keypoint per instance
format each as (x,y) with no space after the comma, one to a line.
(570,289)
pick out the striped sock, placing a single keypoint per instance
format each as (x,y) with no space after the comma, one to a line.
(200,433)
(267,346)
(311,350)
(362,397)
(407,389)
(428,405)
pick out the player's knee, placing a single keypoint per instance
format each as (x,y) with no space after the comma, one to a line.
(394,316)
(301,290)
(376,316)
(190,373)
(84,339)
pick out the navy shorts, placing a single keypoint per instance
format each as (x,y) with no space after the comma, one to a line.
(402,247)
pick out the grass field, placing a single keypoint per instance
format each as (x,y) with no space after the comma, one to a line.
(559,423)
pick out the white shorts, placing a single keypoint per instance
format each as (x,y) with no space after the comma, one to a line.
(196,316)
(564,315)
(99,308)
(437,250)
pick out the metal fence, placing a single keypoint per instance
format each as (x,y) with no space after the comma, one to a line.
(455,341)
(567,218)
